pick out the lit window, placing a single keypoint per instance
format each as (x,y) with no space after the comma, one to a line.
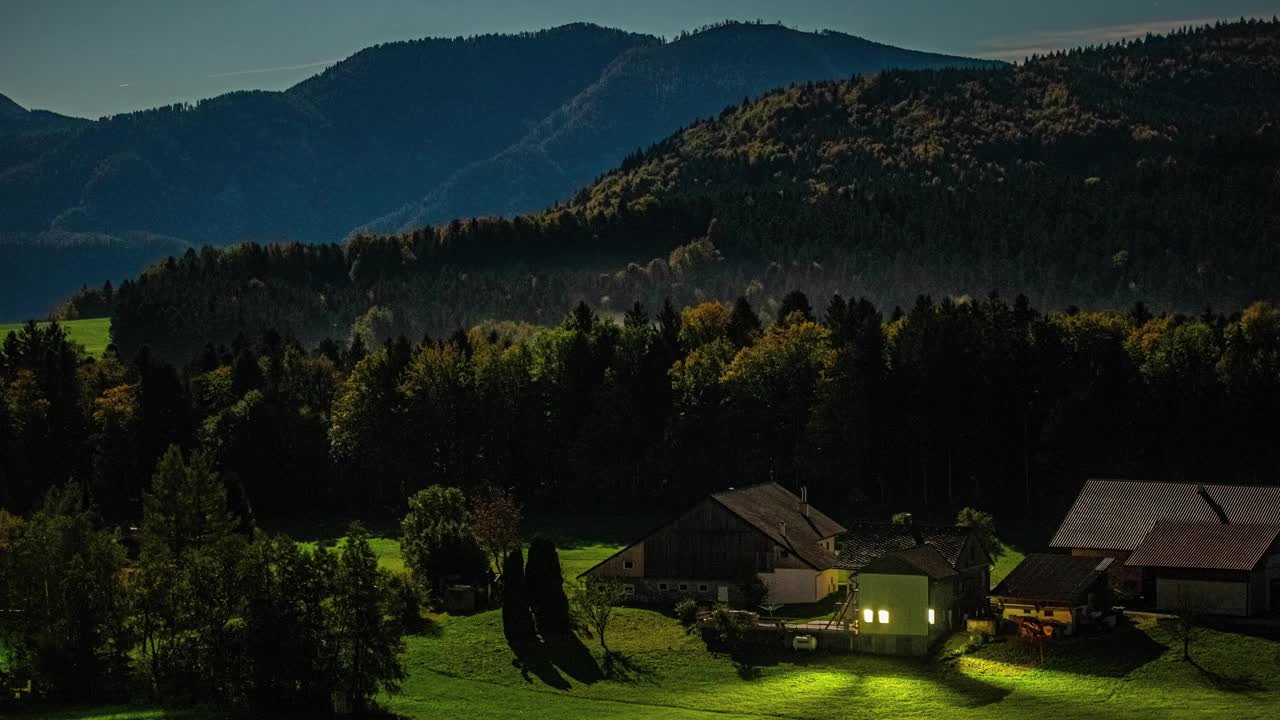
(868,615)
(932,617)
(884,617)
(627,564)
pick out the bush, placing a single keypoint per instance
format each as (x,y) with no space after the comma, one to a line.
(725,630)
(687,612)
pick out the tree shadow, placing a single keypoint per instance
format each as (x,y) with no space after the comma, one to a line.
(532,661)
(1242,683)
(620,667)
(567,653)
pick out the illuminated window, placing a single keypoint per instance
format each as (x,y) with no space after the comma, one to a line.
(884,617)
(932,617)
(868,615)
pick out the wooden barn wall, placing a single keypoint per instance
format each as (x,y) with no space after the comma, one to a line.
(708,542)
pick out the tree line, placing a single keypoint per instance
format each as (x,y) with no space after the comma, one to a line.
(946,403)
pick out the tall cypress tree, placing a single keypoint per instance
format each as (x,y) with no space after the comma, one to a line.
(545,586)
(517,623)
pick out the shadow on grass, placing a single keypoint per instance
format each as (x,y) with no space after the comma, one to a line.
(552,659)
(973,693)
(1242,683)
(1114,654)
(621,667)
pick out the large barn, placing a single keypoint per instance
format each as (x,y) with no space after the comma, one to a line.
(1208,548)
(709,551)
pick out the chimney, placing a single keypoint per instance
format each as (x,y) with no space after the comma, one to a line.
(804,500)
(1213,505)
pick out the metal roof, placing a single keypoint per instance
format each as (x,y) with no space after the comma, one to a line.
(1052,578)
(1204,546)
(1117,514)
(865,542)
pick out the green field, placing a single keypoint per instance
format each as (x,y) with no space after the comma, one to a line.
(93,334)
(461,667)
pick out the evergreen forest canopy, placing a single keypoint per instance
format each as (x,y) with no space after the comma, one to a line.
(476,126)
(1096,177)
(983,403)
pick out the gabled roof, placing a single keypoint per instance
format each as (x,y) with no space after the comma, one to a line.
(1052,578)
(1117,514)
(765,507)
(1204,546)
(865,542)
(768,506)
(921,560)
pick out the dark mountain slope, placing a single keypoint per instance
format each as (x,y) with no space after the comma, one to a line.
(15,119)
(644,95)
(312,161)
(1141,172)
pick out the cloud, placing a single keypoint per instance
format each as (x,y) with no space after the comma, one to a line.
(1022,45)
(281,68)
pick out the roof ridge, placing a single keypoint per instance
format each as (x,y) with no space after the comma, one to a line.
(1178,482)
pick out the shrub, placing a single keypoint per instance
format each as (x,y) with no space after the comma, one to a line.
(687,612)
(725,630)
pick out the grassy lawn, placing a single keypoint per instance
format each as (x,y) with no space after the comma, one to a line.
(462,667)
(1005,564)
(94,334)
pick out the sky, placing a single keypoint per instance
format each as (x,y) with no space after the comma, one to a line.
(99,57)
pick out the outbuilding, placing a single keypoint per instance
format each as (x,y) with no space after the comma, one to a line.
(1210,568)
(1064,590)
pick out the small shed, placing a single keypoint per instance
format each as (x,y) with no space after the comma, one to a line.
(906,601)
(1059,589)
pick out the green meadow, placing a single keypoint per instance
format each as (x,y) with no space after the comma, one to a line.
(461,668)
(94,334)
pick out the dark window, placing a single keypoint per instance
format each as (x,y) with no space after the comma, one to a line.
(702,588)
(683,586)
(627,564)
(662,586)
(784,553)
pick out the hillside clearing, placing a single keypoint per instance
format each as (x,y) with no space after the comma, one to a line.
(94,334)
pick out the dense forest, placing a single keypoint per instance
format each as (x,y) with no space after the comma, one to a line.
(1097,177)
(483,125)
(948,403)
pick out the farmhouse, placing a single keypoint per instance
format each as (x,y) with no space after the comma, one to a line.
(1215,568)
(1059,589)
(1110,518)
(959,547)
(709,551)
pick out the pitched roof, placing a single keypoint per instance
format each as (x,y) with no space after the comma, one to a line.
(767,506)
(1204,546)
(920,560)
(1052,578)
(1117,514)
(865,542)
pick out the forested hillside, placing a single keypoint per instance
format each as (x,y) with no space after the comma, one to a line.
(989,403)
(646,94)
(483,125)
(1099,177)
